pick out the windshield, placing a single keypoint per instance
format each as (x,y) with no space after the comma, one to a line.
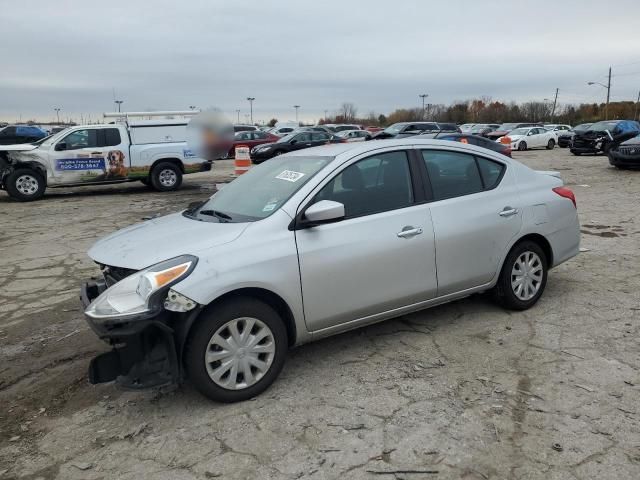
(519,131)
(583,126)
(261,191)
(507,126)
(395,128)
(602,126)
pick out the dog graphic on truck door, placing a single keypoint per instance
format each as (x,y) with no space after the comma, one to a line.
(115,165)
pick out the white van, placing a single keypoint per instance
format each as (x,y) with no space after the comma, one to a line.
(154,152)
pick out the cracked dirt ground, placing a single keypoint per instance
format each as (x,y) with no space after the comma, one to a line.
(465,390)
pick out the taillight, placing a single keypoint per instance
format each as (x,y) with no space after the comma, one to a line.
(566,193)
(505,140)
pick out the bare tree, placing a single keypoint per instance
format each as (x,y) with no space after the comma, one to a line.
(348,111)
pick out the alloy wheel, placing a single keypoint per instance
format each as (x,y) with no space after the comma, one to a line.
(526,275)
(167,177)
(240,353)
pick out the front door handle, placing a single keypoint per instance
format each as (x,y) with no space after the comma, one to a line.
(96,153)
(408,232)
(508,212)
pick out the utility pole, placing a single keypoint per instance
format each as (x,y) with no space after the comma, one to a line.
(251,99)
(296,107)
(57,110)
(635,115)
(238,112)
(606,108)
(325,115)
(423,96)
(555,101)
(118,103)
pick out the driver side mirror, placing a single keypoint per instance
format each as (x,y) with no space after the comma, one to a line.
(60,146)
(529,134)
(324,211)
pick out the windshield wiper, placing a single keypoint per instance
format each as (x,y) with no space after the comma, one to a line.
(216,213)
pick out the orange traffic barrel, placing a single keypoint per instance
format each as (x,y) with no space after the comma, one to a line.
(242,162)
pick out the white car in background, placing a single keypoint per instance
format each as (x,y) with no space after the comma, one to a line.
(354,135)
(530,137)
(558,128)
(466,127)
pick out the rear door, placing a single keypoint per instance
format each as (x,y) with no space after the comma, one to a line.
(476,212)
(381,256)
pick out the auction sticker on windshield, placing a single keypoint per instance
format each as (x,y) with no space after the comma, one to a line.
(290,176)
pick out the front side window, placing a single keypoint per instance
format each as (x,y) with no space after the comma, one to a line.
(81,139)
(372,185)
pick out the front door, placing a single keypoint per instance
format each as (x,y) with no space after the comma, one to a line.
(87,155)
(380,257)
(476,213)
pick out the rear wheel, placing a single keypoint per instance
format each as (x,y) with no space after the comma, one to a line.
(577,154)
(523,276)
(25,185)
(236,350)
(166,177)
(522,146)
(550,144)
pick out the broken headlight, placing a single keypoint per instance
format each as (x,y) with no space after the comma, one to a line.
(143,292)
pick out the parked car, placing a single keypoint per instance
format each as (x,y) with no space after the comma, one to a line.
(151,151)
(250,139)
(525,138)
(244,128)
(282,131)
(14,134)
(558,128)
(405,129)
(290,143)
(354,135)
(316,128)
(505,128)
(466,127)
(504,149)
(373,129)
(626,154)
(314,243)
(565,137)
(339,127)
(483,129)
(602,135)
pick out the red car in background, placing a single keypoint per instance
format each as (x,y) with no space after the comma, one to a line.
(373,129)
(251,139)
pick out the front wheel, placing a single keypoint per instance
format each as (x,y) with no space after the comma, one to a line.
(25,185)
(522,146)
(523,276)
(550,144)
(166,177)
(236,350)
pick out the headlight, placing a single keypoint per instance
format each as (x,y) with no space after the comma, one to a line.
(143,292)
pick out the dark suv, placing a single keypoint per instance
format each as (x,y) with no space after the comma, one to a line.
(20,134)
(601,136)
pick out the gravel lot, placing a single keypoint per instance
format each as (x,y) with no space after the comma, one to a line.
(465,390)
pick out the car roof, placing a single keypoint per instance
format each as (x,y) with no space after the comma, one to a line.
(358,148)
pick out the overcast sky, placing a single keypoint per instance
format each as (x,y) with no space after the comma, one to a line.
(379,55)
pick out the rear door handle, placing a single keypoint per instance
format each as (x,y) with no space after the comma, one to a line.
(508,212)
(408,232)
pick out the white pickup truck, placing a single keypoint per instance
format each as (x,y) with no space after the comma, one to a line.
(154,152)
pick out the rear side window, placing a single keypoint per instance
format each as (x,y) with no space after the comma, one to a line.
(318,137)
(8,131)
(490,171)
(452,174)
(111,137)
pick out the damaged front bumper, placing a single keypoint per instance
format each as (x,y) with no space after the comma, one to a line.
(146,351)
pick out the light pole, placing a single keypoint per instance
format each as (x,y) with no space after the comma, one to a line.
(238,113)
(251,99)
(57,110)
(192,107)
(608,87)
(325,115)
(118,103)
(635,115)
(296,107)
(423,96)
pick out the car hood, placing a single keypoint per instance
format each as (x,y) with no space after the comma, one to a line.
(633,141)
(145,244)
(19,147)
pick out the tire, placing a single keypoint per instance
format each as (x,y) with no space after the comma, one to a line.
(522,146)
(551,144)
(166,177)
(277,153)
(25,185)
(577,154)
(506,290)
(217,322)
(145,181)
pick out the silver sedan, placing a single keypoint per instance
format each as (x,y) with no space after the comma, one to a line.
(316,242)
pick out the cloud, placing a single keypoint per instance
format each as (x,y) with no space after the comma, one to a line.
(378,54)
